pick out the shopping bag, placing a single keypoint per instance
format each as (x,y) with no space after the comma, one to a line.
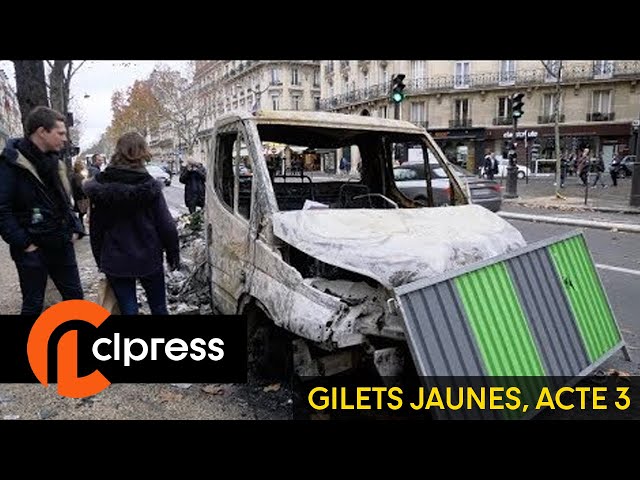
(107,297)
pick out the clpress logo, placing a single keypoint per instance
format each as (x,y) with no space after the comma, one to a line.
(69,384)
(94,349)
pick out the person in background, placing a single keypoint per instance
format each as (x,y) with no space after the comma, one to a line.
(96,165)
(131,227)
(614,169)
(193,176)
(36,218)
(80,200)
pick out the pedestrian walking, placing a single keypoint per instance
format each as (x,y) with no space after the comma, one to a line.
(598,168)
(584,163)
(193,176)
(490,165)
(80,200)
(614,169)
(36,217)
(131,227)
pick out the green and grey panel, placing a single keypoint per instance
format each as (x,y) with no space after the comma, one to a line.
(537,312)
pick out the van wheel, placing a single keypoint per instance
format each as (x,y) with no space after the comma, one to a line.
(521,175)
(269,348)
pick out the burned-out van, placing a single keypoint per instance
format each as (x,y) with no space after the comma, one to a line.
(308,233)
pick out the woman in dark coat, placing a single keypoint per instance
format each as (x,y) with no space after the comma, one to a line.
(131,227)
(193,176)
(80,200)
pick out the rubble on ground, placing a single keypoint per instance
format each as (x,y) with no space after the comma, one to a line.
(187,288)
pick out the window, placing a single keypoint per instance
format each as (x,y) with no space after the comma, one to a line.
(554,66)
(295,77)
(384,111)
(295,102)
(548,100)
(417,69)
(601,101)
(316,78)
(461,111)
(275,76)
(383,76)
(507,72)
(316,102)
(461,75)
(365,81)
(504,107)
(275,102)
(232,185)
(603,68)
(418,113)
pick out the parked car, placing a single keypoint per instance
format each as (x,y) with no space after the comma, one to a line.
(503,163)
(159,174)
(410,180)
(626,166)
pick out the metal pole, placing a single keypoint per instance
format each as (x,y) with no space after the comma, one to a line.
(634,200)
(512,170)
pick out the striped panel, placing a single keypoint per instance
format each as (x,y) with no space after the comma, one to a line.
(545,304)
(589,304)
(498,322)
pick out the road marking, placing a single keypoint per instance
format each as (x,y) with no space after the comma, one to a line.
(618,269)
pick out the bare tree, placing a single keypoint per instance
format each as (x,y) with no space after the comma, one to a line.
(31,88)
(182,104)
(554,68)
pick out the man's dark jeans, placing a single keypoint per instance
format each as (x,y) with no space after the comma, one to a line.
(154,287)
(34,268)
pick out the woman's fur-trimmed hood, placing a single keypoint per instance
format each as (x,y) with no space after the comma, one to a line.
(118,194)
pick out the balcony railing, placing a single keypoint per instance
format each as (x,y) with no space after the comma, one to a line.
(628,69)
(601,117)
(550,118)
(502,120)
(460,123)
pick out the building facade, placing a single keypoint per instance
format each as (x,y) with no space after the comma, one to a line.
(466,105)
(10,118)
(228,85)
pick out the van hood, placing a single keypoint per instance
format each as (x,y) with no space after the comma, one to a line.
(398,246)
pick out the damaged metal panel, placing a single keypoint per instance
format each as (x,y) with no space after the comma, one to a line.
(540,313)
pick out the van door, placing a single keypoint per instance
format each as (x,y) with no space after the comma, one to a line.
(228,217)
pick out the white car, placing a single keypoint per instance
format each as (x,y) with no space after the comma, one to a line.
(503,163)
(159,173)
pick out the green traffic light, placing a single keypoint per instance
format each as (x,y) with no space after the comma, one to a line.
(397,97)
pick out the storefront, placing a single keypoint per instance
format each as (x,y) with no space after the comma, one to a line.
(537,144)
(464,146)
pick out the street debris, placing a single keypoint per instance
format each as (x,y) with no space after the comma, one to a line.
(187,288)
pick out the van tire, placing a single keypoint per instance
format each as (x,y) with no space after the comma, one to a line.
(269,347)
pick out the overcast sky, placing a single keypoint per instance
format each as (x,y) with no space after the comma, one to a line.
(99,79)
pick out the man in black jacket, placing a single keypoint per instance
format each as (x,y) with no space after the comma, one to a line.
(36,218)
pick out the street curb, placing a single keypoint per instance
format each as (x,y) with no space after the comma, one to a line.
(621,227)
(580,208)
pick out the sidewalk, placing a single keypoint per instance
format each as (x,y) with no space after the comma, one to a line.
(539,192)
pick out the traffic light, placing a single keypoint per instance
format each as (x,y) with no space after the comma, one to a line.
(397,88)
(517,105)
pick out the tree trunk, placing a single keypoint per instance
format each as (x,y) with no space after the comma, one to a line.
(556,114)
(57,84)
(31,88)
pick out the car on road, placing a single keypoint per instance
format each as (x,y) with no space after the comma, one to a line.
(411,181)
(626,166)
(503,163)
(159,173)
